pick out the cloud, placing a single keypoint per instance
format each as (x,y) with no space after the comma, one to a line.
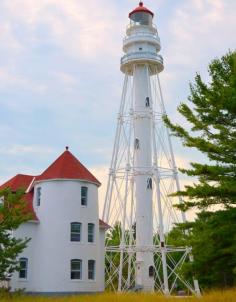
(8,40)
(10,79)
(101,173)
(26,150)
(81,28)
(198,26)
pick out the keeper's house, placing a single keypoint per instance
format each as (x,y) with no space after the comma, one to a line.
(66,251)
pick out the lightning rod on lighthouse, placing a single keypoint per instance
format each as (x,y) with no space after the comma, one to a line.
(142,175)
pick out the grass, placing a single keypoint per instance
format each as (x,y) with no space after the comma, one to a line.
(213,296)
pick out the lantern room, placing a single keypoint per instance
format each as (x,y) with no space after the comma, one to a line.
(141,16)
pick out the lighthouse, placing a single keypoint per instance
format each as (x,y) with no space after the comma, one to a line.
(141,46)
(143,174)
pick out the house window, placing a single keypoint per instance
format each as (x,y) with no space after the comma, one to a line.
(76,269)
(84,196)
(91,269)
(136,143)
(38,196)
(1,200)
(149,183)
(75,231)
(23,268)
(147,102)
(90,232)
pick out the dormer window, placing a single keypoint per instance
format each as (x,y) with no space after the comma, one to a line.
(38,196)
(84,196)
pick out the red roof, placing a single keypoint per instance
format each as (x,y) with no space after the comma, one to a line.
(67,166)
(29,204)
(20,181)
(141,8)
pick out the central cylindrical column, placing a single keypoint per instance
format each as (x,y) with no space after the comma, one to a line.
(143,178)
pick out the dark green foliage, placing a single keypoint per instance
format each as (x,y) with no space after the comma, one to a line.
(13,213)
(212,116)
(211,113)
(213,240)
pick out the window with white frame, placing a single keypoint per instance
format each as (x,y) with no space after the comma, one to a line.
(90,232)
(38,196)
(91,269)
(76,269)
(23,268)
(75,231)
(1,200)
(84,196)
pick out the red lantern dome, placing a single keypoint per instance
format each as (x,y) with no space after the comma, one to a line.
(141,9)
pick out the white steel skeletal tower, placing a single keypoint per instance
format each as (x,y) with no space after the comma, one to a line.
(143,174)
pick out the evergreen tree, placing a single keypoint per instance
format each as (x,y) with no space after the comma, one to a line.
(13,212)
(212,116)
(213,241)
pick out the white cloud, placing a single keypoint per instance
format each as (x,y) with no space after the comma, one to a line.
(25,149)
(10,79)
(101,173)
(8,40)
(199,26)
(81,28)
(65,78)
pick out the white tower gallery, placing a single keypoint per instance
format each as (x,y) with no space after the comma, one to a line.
(142,175)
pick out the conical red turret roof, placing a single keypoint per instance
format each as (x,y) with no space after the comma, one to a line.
(67,166)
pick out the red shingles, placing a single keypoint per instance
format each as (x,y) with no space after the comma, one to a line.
(19,181)
(67,166)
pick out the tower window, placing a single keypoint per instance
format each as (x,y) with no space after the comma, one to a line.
(147,102)
(90,232)
(140,48)
(76,269)
(136,144)
(23,268)
(38,196)
(149,183)
(91,269)
(151,271)
(84,196)
(75,231)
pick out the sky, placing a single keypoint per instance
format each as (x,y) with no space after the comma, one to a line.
(60,82)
